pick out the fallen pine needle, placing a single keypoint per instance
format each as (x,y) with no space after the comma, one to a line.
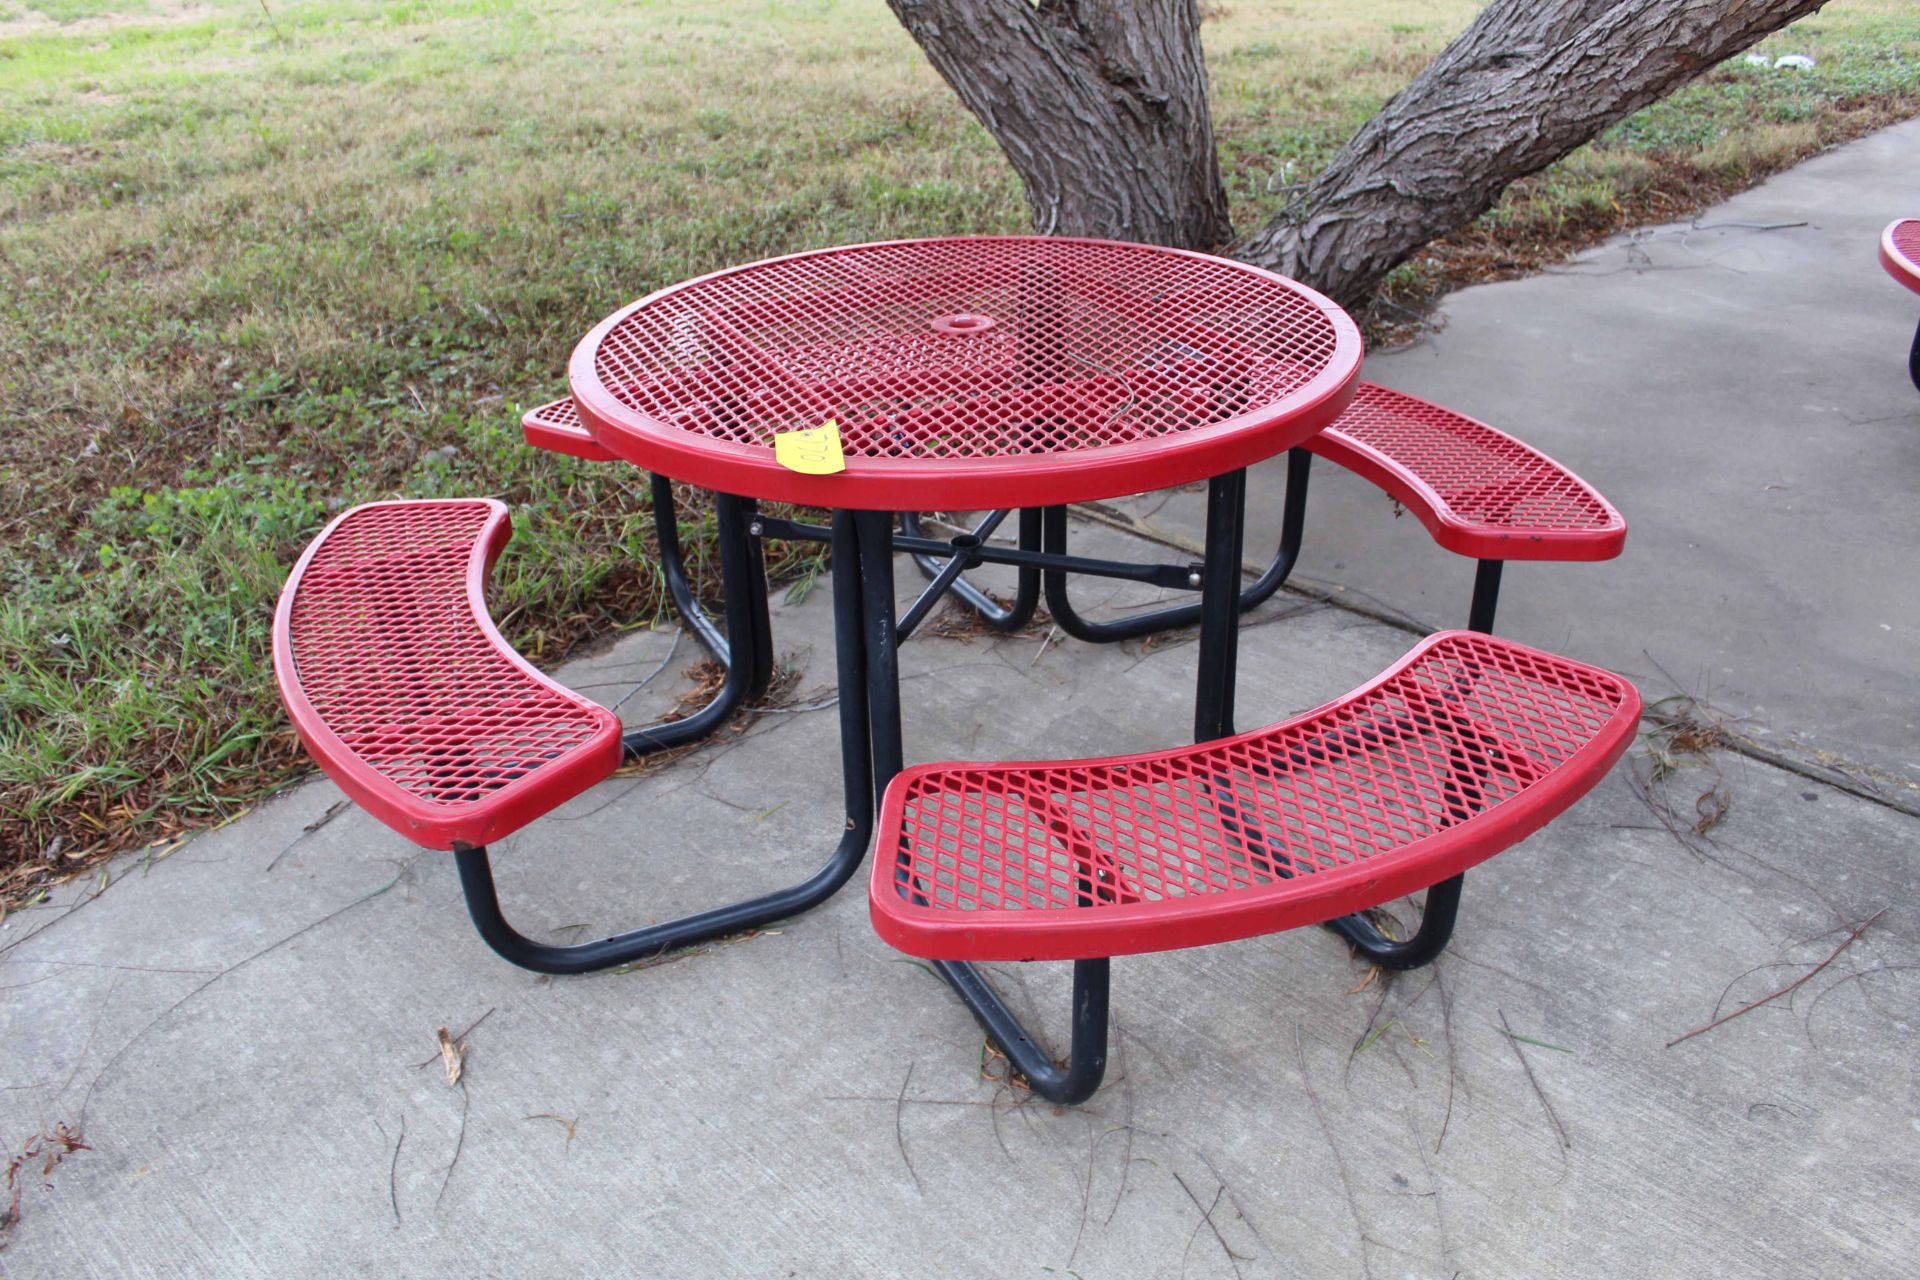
(1511,1034)
(1795,985)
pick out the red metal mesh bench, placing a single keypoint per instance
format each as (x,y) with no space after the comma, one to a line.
(1463,748)
(1900,255)
(1478,490)
(405,693)
(407,696)
(556,427)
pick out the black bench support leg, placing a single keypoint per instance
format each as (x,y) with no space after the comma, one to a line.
(1443,899)
(1086,1063)
(746,647)
(1436,929)
(856,764)
(1293,524)
(1486,596)
(673,565)
(1913,360)
(1087,1060)
(1219,608)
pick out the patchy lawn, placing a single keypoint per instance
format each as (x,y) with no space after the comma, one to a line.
(262,261)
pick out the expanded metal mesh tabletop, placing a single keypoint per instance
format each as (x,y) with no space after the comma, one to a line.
(968,373)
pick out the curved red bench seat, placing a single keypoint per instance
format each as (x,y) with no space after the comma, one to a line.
(1900,251)
(1479,491)
(1900,255)
(1464,747)
(407,695)
(556,427)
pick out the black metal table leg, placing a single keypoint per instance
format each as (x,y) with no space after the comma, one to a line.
(1486,595)
(1219,608)
(673,566)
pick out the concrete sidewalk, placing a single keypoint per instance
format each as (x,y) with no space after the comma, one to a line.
(244,1031)
(1737,386)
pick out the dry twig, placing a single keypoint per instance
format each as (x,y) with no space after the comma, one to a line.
(899,1127)
(1852,937)
(393,1170)
(569,1125)
(1206,1220)
(49,1147)
(1515,1040)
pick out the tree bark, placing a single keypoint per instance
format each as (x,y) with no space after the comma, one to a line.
(1526,83)
(1100,105)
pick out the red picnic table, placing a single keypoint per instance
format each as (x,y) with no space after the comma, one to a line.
(1021,372)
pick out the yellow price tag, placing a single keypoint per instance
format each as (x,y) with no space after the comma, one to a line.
(813,452)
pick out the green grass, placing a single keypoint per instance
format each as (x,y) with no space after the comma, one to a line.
(253,271)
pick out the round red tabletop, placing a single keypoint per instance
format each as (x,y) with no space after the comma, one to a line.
(968,373)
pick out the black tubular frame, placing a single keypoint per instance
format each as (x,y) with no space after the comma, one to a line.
(745,648)
(856,765)
(1293,523)
(868,634)
(995,615)
(1486,595)
(1913,359)
(1159,575)
(1293,519)
(1086,1062)
(1426,944)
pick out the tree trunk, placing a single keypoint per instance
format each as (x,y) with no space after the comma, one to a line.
(1528,82)
(1100,105)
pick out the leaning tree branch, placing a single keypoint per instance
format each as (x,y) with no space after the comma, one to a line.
(1100,106)
(1526,83)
